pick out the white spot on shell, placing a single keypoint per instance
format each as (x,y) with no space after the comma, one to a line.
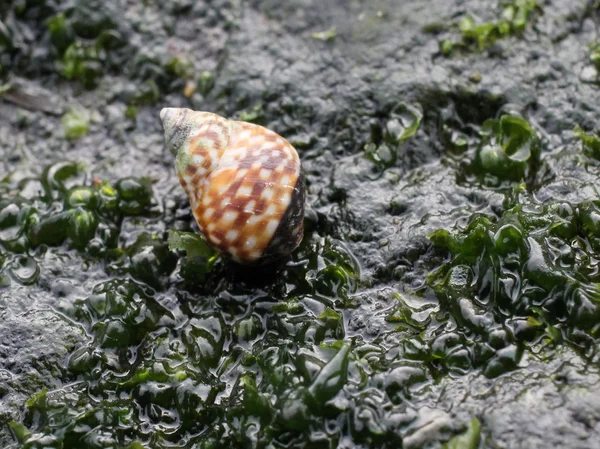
(229,217)
(222,189)
(285,200)
(249,207)
(204,144)
(272,227)
(236,153)
(209,213)
(285,180)
(267,193)
(250,242)
(232,235)
(264,174)
(245,134)
(271,210)
(288,153)
(256,139)
(241,173)
(253,219)
(196,159)
(244,191)
(225,202)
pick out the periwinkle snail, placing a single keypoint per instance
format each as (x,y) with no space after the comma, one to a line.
(244,182)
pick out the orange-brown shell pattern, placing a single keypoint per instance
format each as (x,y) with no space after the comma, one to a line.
(244,183)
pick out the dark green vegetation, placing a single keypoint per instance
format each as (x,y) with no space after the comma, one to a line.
(446,294)
(476,35)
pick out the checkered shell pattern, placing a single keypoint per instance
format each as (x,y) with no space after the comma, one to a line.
(244,183)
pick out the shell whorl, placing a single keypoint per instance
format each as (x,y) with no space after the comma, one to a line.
(197,140)
(244,183)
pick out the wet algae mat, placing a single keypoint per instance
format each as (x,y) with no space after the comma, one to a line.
(446,293)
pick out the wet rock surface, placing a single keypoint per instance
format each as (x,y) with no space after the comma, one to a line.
(381,331)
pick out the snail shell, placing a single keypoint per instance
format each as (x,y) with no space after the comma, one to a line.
(244,182)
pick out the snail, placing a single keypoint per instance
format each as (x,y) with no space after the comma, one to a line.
(244,182)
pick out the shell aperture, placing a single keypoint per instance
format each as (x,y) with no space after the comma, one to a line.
(244,183)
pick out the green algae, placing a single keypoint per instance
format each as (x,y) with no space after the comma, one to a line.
(590,142)
(182,349)
(468,440)
(401,125)
(509,150)
(76,124)
(477,36)
(325,36)
(123,314)
(527,274)
(80,215)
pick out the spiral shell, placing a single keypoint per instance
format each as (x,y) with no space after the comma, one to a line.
(244,183)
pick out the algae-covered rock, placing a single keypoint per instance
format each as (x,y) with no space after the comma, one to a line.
(446,290)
